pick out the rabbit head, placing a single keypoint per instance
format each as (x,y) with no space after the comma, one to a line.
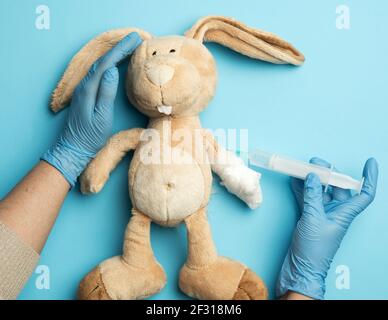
(171,75)
(176,75)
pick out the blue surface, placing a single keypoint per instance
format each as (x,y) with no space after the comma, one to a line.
(335,106)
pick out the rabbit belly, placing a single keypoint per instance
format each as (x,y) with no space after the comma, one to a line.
(168,193)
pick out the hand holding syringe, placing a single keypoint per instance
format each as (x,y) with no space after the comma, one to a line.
(300,169)
(323,222)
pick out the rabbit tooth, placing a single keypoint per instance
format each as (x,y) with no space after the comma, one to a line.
(165,109)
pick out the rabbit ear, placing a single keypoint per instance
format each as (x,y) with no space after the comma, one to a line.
(251,42)
(84,59)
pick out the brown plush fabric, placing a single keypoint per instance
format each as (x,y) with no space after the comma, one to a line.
(171,80)
(200,245)
(251,288)
(206,275)
(97,173)
(134,275)
(92,287)
(83,60)
(254,43)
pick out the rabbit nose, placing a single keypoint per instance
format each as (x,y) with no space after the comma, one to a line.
(160,75)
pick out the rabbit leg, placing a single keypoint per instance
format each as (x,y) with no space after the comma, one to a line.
(207,276)
(134,275)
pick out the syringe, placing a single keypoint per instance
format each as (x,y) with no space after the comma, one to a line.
(300,169)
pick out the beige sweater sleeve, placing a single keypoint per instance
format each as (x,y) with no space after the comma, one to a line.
(17,262)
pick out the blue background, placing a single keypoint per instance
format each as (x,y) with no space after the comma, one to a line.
(335,106)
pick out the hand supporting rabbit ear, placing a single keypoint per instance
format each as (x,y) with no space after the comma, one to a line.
(251,42)
(84,59)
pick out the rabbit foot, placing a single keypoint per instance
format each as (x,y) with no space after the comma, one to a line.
(251,287)
(224,279)
(114,279)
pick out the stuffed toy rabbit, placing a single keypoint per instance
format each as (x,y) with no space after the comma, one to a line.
(171,80)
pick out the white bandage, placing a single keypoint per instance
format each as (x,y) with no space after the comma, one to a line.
(238,178)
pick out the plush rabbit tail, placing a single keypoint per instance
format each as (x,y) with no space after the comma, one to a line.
(83,60)
(251,42)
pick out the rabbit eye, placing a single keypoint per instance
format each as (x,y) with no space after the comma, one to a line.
(172,50)
(154,53)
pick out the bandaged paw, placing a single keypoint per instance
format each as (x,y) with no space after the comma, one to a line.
(238,178)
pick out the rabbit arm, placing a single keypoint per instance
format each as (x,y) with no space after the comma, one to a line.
(234,174)
(97,173)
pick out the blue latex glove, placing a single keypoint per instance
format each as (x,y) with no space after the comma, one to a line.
(90,118)
(325,219)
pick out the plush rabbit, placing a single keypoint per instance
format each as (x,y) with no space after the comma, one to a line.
(172,79)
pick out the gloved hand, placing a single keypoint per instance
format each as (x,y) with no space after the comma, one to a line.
(324,222)
(90,118)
